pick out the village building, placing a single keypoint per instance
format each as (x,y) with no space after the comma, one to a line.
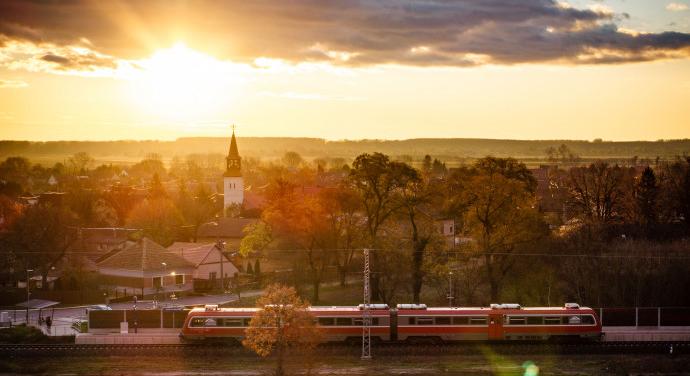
(210,263)
(146,268)
(229,230)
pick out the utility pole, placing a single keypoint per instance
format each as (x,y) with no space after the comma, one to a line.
(366,314)
(221,246)
(28,294)
(450,289)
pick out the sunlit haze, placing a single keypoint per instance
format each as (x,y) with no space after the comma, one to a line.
(154,72)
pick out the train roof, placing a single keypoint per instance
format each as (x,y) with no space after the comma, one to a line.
(416,308)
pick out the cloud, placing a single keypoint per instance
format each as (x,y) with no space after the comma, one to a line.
(676,7)
(51,58)
(340,32)
(12,84)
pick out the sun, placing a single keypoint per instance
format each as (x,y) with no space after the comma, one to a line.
(181,85)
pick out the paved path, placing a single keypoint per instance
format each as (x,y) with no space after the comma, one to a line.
(65,316)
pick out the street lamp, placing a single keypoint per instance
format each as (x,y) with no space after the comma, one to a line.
(28,294)
(173,275)
(165,266)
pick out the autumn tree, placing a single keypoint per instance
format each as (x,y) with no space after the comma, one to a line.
(596,192)
(122,199)
(41,236)
(300,220)
(80,162)
(378,180)
(343,222)
(282,323)
(646,192)
(196,209)
(675,190)
(159,218)
(501,218)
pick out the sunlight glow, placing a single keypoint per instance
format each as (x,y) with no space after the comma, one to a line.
(182,85)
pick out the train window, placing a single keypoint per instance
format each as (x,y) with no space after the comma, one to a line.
(246,321)
(517,320)
(325,321)
(197,322)
(425,321)
(552,320)
(374,321)
(443,321)
(587,320)
(478,321)
(461,320)
(343,321)
(574,320)
(210,322)
(233,322)
(535,320)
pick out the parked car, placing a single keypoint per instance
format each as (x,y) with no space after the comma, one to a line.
(99,307)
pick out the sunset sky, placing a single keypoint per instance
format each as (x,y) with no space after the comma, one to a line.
(528,69)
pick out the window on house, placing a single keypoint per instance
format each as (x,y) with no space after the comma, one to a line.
(179,279)
(157,282)
(212,276)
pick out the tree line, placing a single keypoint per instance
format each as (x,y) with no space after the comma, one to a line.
(599,234)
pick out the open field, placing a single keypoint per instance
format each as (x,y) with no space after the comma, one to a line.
(453,151)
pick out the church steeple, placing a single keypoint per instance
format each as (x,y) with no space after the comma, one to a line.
(234,161)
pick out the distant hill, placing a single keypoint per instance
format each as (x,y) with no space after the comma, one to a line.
(447,149)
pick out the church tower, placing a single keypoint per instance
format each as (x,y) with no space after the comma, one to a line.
(233,184)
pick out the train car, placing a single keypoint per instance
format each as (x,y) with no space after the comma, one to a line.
(337,324)
(344,324)
(416,322)
(211,322)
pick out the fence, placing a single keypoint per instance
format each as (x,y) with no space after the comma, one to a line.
(645,316)
(141,319)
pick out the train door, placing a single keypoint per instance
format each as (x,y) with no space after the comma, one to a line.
(495,327)
(394,324)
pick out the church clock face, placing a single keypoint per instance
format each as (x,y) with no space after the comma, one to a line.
(233,163)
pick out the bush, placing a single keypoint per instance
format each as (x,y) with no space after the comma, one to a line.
(22,334)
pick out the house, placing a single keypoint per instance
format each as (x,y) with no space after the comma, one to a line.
(209,263)
(146,268)
(230,230)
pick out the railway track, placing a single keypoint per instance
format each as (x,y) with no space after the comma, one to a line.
(383,349)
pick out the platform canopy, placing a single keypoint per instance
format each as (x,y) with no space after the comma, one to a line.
(37,304)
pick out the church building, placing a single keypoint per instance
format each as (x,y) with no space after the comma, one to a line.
(233,184)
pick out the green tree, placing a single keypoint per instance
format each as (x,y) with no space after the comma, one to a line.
(282,323)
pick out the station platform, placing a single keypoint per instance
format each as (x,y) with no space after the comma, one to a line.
(646,334)
(143,337)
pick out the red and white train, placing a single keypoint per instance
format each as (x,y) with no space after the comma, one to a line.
(416,322)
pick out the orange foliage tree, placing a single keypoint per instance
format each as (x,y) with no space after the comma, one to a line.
(282,323)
